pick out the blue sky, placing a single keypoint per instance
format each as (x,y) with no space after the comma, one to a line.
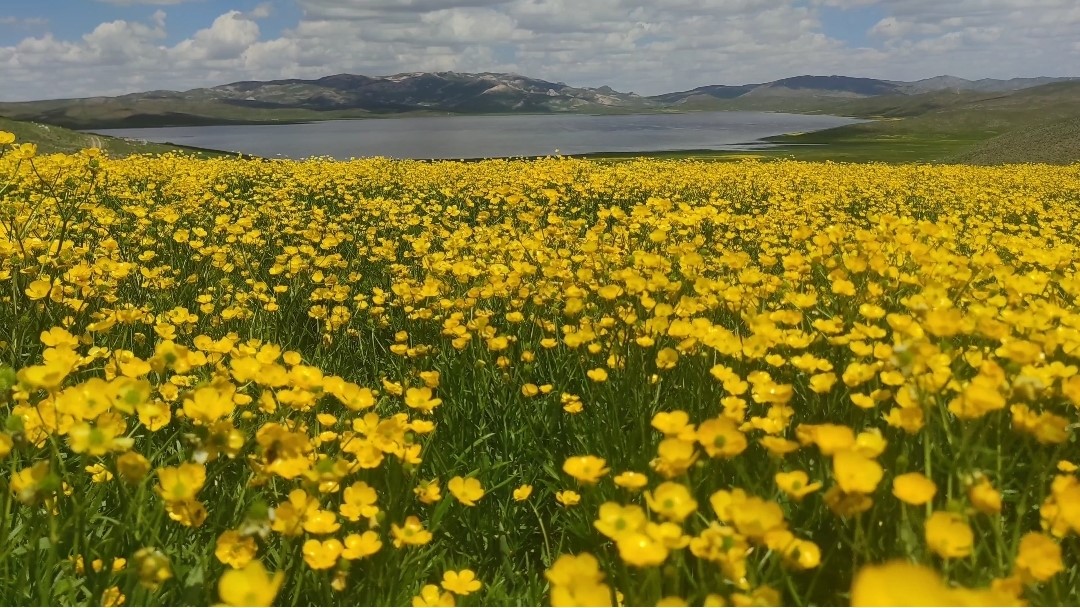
(62,48)
(852,25)
(68,19)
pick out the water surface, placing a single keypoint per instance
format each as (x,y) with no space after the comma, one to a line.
(493,136)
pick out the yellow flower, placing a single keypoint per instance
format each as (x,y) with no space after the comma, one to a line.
(796,484)
(152,567)
(190,513)
(322,555)
(755,517)
(359,546)
(830,438)
(6,138)
(844,504)
(421,399)
(358,501)
(721,438)
(466,490)
(598,374)
(39,289)
(585,469)
(431,596)
(234,549)
(674,424)
(319,521)
(984,497)
(412,532)
(96,440)
(462,582)
(568,498)
(899,583)
(674,457)
(250,586)
(181,483)
(6,443)
(523,492)
(667,358)
(778,446)
(428,491)
(948,535)
(640,550)
(1039,558)
(112,596)
(576,580)
(914,488)
(616,520)
(856,473)
(209,404)
(672,501)
(631,480)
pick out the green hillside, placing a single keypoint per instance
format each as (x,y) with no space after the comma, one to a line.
(946,127)
(1057,142)
(51,139)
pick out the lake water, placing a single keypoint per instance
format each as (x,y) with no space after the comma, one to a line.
(493,136)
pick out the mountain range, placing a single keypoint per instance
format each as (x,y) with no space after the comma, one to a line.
(357,96)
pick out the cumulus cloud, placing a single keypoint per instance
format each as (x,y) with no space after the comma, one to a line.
(647,46)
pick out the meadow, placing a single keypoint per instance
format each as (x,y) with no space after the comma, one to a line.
(557,381)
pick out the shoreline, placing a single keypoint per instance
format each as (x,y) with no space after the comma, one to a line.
(744,148)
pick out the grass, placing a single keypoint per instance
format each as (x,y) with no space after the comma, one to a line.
(1055,142)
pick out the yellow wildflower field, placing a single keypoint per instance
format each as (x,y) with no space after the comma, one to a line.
(555,382)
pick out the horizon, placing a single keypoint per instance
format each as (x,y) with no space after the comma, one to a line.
(592,86)
(115,47)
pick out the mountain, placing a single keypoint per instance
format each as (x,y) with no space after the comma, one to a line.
(337,96)
(825,86)
(357,96)
(794,89)
(802,93)
(985,85)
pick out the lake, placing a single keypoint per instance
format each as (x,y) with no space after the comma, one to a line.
(493,136)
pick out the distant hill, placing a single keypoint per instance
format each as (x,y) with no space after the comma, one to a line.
(1016,119)
(825,86)
(358,96)
(986,85)
(338,96)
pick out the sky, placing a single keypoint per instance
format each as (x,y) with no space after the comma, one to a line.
(78,48)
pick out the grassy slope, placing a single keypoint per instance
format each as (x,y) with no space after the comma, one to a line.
(1055,142)
(51,139)
(933,128)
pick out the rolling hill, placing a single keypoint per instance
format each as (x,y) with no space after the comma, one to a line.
(338,96)
(357,96)
(937,119)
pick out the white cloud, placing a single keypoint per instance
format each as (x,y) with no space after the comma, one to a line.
(23,22)
(227,38)
(648,46)
(262,11)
